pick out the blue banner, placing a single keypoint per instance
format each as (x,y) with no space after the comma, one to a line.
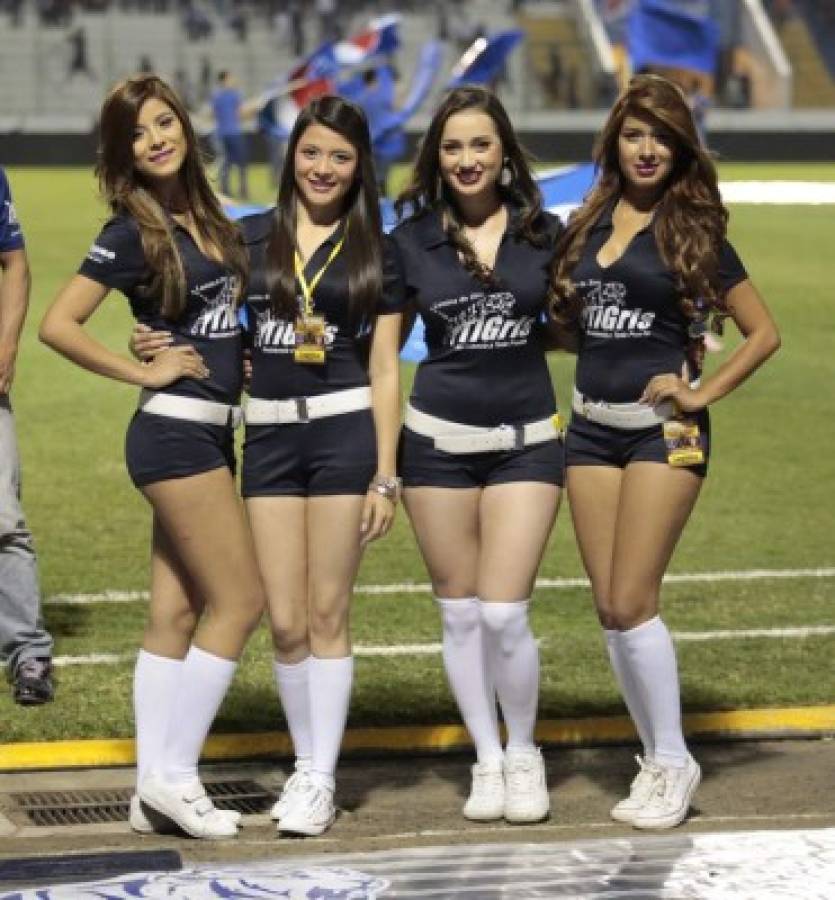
(485,59)
(662,33)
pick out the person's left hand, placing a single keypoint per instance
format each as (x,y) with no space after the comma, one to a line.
(672,387)
(377,517)
(7,361)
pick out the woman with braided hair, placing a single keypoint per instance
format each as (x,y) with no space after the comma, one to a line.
(641,268)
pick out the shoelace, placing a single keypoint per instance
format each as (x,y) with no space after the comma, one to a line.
(33,668)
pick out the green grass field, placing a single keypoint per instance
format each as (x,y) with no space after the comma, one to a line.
(768,503)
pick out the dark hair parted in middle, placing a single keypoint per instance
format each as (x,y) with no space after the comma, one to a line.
(690,221)
(427,190)
(128,193)
(361,213)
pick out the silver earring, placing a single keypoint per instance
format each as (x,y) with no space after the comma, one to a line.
(506,174)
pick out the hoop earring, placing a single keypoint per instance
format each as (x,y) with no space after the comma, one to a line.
(506,176)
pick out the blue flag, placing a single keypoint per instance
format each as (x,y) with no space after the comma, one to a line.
(660,33)
(485,59)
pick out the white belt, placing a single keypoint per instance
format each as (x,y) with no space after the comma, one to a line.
(622,415)
(304,409)
(453,437)
(192,409)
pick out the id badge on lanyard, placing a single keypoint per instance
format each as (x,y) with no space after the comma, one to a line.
(310,328)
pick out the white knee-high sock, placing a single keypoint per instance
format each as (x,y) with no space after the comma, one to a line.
(294,693)
(204,681)
(513,661)
(156,680)
(651,658)
(629,690)
(329,685)
(465,664)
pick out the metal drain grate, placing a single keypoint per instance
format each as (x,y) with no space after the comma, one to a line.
(94,807)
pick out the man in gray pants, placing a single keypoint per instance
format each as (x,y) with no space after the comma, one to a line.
(24,643)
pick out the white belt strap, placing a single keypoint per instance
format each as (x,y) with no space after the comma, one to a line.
(191,409)
(304,409)
(622,415)
(453,437)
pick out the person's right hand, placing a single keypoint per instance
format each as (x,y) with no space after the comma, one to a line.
(145,343)
(173,363)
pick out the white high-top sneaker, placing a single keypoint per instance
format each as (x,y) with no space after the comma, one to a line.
(486,800)
(670,801)
(526,790)
(642,787)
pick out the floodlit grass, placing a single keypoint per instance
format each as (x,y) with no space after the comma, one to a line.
(767,504)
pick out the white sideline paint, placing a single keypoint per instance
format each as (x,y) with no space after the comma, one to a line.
(778,192)
(411,587)
(434,649)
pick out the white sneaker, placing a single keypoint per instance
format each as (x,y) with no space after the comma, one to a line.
(149,821)
(526,790)
(669,802)
(188,806)
(311,813)
(295,785)
(486,800)
(642,787)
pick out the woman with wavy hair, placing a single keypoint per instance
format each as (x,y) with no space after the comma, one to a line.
(480,455)
(641,269)
(183,268)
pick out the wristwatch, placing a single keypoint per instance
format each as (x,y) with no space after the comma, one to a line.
(389,486)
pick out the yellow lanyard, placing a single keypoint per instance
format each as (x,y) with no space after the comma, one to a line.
(309,286)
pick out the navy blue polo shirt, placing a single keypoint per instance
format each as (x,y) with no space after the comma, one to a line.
(209,321)
(275,373)
(11,236)
(486,364)
(631,323)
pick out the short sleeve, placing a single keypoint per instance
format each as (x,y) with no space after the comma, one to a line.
(731,269)
(116,258)
(11,235)
(393,299)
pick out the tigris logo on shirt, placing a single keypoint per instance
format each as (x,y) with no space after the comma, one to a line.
(605,314)
(273,335)
(219,317)
(484,323)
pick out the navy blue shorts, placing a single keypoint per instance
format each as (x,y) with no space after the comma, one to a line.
(592,444)
(234,149)
(331,455)
(161,447)
(420,464)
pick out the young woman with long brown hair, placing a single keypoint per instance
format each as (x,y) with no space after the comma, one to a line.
(480,456)
(641,269)
(182,265)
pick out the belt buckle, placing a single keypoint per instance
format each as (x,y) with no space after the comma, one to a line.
(302,412)
(234,417)
(515,434)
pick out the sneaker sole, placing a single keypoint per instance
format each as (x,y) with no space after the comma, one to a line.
(305,830)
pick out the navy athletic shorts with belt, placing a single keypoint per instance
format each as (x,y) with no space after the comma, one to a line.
(486,361)
(159,447)
(632,328)
(335,454)
(590,443)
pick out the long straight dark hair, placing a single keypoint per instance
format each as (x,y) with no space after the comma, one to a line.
(361,211)
(127,192)
(427,190)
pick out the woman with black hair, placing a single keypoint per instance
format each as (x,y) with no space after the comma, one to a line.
(182,265)
(322,420)
(480,456)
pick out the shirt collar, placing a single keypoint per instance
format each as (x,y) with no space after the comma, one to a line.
(430,229)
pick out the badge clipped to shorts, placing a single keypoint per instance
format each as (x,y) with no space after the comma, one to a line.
(683,440)
(310,340)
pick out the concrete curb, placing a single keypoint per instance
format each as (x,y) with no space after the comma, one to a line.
(759,724)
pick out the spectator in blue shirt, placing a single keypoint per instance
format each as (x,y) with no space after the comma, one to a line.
(228,108)
(24,643)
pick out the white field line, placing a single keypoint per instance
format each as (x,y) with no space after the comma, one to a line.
(411,587)
(435,648)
